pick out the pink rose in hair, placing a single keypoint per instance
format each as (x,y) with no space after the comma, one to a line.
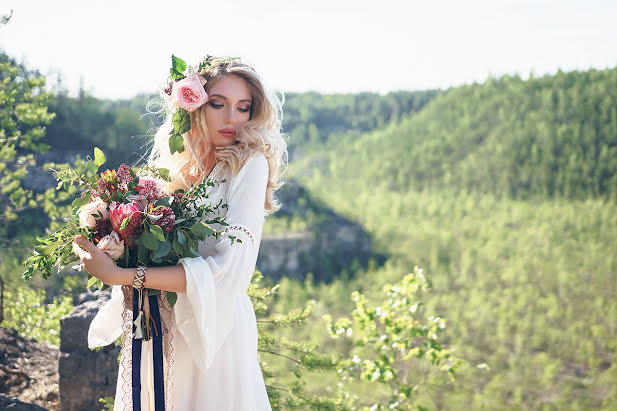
(112,244)
(189,93)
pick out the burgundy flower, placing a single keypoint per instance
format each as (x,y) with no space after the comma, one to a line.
(103,189)
(149,188)
(124,177)
(103,228)
(167,219)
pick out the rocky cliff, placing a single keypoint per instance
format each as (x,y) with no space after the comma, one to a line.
(329,245)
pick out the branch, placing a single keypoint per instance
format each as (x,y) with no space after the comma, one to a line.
(281,355)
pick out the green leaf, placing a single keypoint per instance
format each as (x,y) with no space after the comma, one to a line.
(92,168)
(176,143)
(193,252)
(143,254)
(99,157)
(81,201)
(149,240)
(177,64)
(181,237)
(201,230)
(125,222)
(171,298)
(92,281)
(164,173)
(158,232)
(165,202)
(186,122)
(47,249)
(177,247)
(163,250)
(181,121)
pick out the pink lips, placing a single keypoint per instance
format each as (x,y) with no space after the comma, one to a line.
(228,132)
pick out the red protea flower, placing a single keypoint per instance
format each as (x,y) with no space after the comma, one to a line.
(118,212)
(166,220)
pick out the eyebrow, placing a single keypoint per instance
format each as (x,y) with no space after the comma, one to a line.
(246,100)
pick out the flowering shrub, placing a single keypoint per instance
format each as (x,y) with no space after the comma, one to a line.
(391,338)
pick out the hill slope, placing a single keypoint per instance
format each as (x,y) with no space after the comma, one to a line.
(504,192)
(545,137)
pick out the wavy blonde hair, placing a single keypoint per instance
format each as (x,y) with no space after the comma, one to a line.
(260,134)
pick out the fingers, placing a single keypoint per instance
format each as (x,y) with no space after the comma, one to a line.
(80,253)
(87,245)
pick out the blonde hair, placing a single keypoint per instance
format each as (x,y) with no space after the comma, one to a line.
(260,134)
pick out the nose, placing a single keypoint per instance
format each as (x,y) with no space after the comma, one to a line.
(230,117)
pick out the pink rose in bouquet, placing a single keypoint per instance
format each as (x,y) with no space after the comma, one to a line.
(189,93)
(112,244)
(119,212)
(89,213)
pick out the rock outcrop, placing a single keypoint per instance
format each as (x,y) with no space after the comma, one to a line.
(85,375)
(9,403)
(28,373)
(330,244)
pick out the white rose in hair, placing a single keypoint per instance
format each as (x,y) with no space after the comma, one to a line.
(89,211)
(112,244)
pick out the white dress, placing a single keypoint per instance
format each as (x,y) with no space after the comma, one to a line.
(210,360)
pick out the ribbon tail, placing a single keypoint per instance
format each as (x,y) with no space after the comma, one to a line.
(157,355)
(136,354)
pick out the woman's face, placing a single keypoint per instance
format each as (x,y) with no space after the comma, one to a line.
(227,109)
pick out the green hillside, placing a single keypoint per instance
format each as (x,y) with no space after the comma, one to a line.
(504,193)
(545,137)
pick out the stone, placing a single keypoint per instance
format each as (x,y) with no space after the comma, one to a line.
(85,375)
(9,403)
(28,371)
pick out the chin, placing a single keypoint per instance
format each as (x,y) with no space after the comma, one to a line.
(225,143)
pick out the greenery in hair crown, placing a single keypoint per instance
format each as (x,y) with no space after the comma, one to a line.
(186,89)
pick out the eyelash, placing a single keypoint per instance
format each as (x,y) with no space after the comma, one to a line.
(217,106)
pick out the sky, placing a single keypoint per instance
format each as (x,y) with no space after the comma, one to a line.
(117,49)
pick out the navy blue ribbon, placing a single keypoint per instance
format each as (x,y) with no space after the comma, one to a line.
(136,354)
(157,357)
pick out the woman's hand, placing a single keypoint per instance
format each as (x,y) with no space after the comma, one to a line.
(96,261)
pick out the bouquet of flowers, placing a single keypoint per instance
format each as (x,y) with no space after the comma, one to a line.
(128,214)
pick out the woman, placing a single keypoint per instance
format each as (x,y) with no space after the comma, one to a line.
(210,336)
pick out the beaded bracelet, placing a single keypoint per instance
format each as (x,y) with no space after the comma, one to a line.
(140,277)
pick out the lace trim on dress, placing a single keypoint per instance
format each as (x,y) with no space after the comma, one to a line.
(241,231)
(216,170)
(166,312)
(127,338)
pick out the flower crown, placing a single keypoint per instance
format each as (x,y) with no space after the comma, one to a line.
(187,92)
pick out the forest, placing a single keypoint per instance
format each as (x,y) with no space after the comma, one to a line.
(500,198)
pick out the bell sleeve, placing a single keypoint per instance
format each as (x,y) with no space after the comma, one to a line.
(106,326)
(204,314)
